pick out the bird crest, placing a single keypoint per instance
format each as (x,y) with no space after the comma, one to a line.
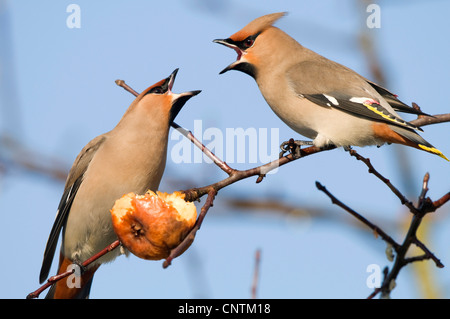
(257,26)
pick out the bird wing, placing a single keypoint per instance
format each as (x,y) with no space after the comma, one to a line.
(329,84)
(74,180)
(392,99)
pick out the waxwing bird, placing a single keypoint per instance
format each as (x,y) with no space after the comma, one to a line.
(316,97)
(129,158)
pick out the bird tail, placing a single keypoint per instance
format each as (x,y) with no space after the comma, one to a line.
(417,141)
(75,286)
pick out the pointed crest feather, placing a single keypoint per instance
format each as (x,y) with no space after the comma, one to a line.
(257,25)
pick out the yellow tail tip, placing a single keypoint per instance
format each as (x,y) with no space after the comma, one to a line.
(434,151)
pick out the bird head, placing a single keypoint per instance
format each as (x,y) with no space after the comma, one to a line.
(248,44)
(162,92)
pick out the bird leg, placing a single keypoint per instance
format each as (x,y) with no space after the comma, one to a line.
(293,146)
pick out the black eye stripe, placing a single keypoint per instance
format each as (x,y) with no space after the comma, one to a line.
(160,89)
(156,90)
(246,43)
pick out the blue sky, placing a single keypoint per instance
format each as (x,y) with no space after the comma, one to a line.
(58,93)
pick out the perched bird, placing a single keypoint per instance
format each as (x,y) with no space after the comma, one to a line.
(319,98)
(129,158)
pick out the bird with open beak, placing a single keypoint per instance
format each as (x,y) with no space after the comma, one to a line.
(319,98)
(129,158)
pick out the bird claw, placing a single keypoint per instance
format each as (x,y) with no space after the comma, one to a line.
(347,148)
(294,147)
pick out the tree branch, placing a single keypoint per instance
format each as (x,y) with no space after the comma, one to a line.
(260,171)
(373,171)
(256,273)
(377,230)
(188,134)
(63,275)
(433,119)
(187,241)
(424,206)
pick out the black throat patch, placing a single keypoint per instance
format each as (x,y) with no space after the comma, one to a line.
(246,68)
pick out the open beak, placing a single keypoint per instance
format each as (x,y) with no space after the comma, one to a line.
(179,99)
(171,79)
(230,44)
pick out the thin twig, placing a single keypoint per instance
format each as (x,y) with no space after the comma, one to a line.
(372,226)
(424,206)
(256,273)
(86,263)
(422,200)
(428,253)
(416,258)
(188,134)
(187,241)
(441,201)
(433,119)
(373,171)
(237,175)
(128,88)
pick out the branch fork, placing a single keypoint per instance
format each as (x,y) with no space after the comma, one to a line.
(425,205)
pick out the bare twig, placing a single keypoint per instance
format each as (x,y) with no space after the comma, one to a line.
(428,253)
(372,170)
(434,119)
(424,206)
(256,273)
(441,201)
(188,134)
(422,199)
(237,175)
(377,230)
(86,263)
(187,241)
(126,87)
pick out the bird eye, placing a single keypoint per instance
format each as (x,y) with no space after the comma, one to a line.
(156,90)
(249,42)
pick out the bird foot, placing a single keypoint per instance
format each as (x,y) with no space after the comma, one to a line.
(80,266)
(294,147)
(347,148)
